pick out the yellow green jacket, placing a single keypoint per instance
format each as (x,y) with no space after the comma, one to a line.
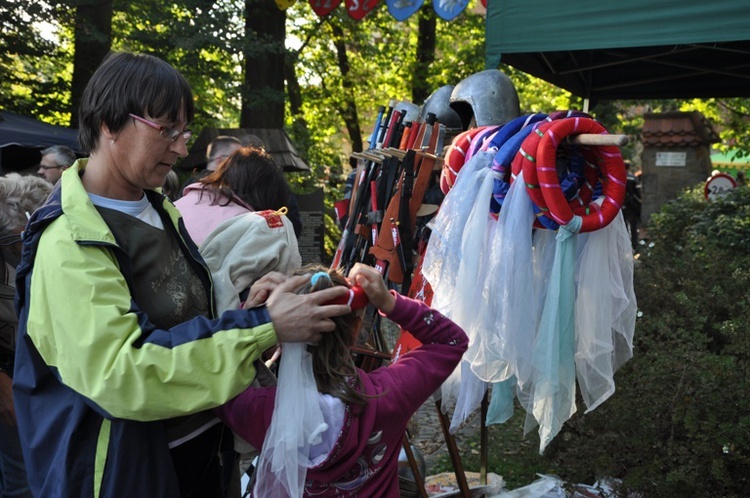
(94,378)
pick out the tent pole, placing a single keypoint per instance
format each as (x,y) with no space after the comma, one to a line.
(586,102)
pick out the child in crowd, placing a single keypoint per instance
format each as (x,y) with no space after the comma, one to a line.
(365,414)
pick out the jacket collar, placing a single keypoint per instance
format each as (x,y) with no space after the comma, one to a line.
(85,221)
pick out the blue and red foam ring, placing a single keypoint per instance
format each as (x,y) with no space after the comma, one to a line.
(525,161)
(356,299)
(611,166)
(451,164)
(507,141)
(480,141)
(570,113)
(455,158)
(580,204)
(577,183)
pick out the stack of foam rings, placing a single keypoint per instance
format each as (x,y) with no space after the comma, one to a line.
(561,177)
(508,142)
(456,156)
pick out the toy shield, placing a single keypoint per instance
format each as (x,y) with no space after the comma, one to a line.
(324,7)
(449,9)
(357,9)
(403,9)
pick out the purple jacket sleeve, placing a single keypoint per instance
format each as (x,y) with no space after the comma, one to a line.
(411,380)
(405,385)
(249,414)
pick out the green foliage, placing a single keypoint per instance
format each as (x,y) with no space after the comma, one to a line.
(202,39)
(677,425)
(34,76)
(207,42)
(732,119)
(380,55)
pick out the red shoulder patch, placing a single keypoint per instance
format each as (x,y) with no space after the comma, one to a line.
(273,219)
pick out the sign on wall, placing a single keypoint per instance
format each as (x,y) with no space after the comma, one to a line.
(311,207)
(672,159)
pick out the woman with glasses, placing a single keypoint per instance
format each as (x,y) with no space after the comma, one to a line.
(121,354)
(19,196)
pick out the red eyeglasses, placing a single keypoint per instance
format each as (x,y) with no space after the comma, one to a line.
(166,133)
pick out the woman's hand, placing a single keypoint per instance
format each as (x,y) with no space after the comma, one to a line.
(372,283)
(262,288)
(304,318)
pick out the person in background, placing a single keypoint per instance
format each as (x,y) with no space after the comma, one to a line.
(364,414)
(219,149)
(292,207)
(171,187)
(55,160)
(248,180)
(19,197)
(121,356)
(631,209)
(236,214)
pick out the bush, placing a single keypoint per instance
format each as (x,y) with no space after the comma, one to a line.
(678,423)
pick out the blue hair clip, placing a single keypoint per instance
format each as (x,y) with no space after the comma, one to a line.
(320,274)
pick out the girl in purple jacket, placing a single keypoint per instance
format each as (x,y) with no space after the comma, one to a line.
(365,413)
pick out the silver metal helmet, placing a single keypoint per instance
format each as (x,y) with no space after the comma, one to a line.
(487,96)
(439,104)
(412,110)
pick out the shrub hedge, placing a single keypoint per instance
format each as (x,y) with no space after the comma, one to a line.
(679,422)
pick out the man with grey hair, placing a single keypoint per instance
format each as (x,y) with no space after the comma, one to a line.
(19,197)
(55,160)
(219,149)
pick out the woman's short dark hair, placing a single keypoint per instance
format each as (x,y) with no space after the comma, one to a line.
(251,175)
(131,83)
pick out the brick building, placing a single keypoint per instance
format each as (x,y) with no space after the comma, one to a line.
(676,155)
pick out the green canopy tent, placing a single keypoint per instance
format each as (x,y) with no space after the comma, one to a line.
(631,49)
(730,162)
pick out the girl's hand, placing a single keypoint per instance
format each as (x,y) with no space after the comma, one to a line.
(372,283)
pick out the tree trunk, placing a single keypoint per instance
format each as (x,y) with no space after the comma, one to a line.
(93,40)
(300,131)
(263,89)
(348,107)
(425,56)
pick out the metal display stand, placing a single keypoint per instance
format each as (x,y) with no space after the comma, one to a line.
(390,185)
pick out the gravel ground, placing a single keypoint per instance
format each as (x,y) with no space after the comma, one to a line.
(427,435)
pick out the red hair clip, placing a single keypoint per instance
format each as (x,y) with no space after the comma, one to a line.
(356,299)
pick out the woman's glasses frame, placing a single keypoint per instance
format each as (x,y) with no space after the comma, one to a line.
(166,133)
